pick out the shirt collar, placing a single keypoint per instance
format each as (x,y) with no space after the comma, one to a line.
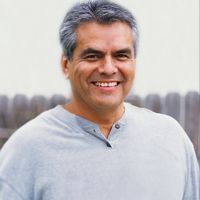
(81,124)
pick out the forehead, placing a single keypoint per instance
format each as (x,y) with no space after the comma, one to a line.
(114,35)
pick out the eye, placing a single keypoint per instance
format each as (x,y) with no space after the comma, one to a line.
(92,57)
(123,57)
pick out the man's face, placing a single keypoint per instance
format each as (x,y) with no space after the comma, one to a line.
(103,65)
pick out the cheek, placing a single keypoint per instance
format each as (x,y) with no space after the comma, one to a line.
(128,72)
(133,73)
(81,75)
(85,71)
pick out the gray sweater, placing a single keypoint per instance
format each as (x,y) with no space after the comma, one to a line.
(60,156)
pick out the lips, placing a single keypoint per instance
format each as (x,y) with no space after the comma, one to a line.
(106,84)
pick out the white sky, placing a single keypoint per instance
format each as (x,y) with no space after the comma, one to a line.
(168,57)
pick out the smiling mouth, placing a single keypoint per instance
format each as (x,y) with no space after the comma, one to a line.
(106,84)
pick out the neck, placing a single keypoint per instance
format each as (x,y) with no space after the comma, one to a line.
(103,117)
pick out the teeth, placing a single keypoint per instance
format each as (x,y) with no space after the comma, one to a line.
(105,84)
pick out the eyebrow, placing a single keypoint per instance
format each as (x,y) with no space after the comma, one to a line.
(95,51)
(125,51)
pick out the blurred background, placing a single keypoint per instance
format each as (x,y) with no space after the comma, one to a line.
(168,59)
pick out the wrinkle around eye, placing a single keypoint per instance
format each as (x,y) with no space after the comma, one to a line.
(91,58)
(123,58)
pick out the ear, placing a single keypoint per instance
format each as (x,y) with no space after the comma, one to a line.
(65,66)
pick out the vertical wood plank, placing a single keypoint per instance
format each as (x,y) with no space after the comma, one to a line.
(153,102)
(172,105)
(4,101)
(19,111)
(192,119)
(57,100)
(134,100)
(5,133)
(2,142)
(3,110)
(38,104)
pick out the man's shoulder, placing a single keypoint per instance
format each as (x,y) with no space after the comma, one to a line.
(159,127)
(32,131)
(157,122)
(40,122)
(146,113)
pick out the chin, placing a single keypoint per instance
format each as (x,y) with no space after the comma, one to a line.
(108,105)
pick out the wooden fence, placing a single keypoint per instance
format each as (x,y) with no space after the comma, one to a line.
(16,111)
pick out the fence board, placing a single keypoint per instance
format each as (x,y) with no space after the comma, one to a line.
(5,133)
(192,119)
(135,100)
(172,105)
(20,111)
(153,102)
(3,110)
(57,99)
(37,105)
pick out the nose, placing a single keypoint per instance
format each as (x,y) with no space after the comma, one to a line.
(108,67)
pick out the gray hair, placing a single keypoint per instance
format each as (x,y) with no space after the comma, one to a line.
(100,11)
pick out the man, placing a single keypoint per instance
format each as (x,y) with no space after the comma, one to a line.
(97,147)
